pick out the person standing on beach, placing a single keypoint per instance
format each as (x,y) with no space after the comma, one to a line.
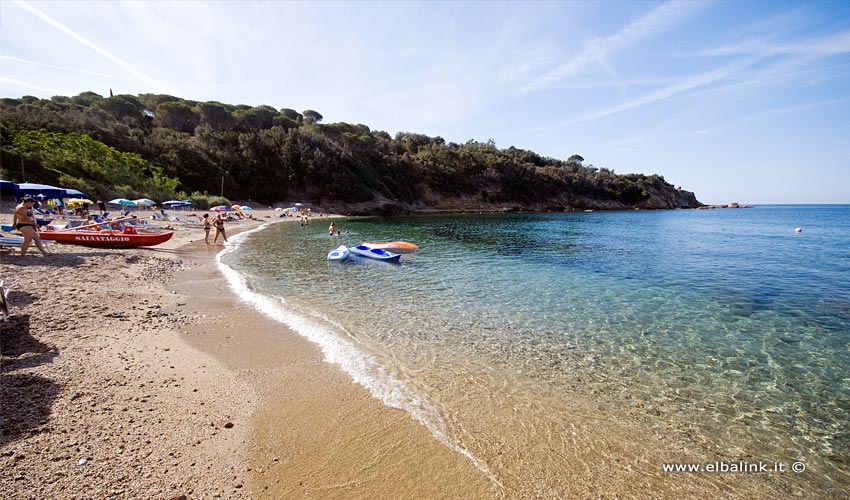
(219,228)
(24,222)
(207,227)
(101,206)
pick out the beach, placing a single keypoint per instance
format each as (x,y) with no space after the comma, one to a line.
(137,374)
(146,374)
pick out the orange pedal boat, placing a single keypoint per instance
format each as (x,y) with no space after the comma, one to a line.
(393,246)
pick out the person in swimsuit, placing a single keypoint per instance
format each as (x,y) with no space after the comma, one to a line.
(207,227)
(219,228)
(25,223)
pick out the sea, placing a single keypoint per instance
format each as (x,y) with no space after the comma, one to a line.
(723,333)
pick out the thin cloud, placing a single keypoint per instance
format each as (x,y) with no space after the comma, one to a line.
(597,50)
(105,53)
(27,85)
(691,83)
(798,108)
(53,66)
(835,44)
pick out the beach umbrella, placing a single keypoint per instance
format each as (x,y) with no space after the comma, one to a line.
(220,208)
(235,207)
(122,201)
(145,202)
(80,201)
(75,193)
(7,187)
(46,190)
(176,203)
(245,207)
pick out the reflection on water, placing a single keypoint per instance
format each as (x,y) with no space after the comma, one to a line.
(724,326)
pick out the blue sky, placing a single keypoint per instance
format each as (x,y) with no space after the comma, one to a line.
(736,101)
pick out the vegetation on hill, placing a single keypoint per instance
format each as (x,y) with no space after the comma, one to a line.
(160,146)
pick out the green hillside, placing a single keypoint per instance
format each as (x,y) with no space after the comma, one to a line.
(160,146)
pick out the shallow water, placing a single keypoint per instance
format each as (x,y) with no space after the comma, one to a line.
(724,328)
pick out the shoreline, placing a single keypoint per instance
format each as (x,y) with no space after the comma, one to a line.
(316,432)
(177,388)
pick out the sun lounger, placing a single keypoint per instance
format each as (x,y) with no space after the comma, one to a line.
(4,301)
(11,240)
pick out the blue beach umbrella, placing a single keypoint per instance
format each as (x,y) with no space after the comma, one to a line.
(122,201)
(75,193)
(176,203)
(7,187)
(48,191)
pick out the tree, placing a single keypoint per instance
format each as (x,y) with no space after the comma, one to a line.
(291,114)
(86,99)
(311,116)
(257,118)
(152,101)
(121,106)
(176,115)
(215,115)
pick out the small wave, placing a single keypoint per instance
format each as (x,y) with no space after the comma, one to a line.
(360,366)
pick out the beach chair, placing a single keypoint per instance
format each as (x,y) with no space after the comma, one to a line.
(4,301)
(11,240)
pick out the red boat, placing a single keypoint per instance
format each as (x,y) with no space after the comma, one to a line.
(106,238)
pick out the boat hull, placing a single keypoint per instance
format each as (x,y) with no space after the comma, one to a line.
(375,253)
(106,239)
(339,254)
(393,246)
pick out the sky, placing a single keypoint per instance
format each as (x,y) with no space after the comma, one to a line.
(738,101)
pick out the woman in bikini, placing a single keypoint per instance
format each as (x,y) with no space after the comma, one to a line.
(218,223)
(25,223)
(207,227)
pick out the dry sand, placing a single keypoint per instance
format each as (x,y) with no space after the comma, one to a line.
(136,374)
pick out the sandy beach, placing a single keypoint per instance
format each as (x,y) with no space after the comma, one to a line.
(137,374)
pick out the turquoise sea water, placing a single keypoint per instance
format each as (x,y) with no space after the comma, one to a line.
(723,324)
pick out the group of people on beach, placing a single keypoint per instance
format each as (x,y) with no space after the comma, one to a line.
(218,223)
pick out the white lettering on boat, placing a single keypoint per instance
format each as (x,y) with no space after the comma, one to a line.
(107,239)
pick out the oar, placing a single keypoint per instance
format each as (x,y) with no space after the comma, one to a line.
(109,221)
